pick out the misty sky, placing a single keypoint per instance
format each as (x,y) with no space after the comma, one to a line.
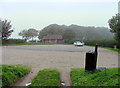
(37,14)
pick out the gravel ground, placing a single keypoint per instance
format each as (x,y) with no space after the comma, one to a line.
(62,57)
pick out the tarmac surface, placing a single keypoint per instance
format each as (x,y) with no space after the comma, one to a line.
(61,57)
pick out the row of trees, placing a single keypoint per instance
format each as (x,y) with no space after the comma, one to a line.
(68,34)
(81,32)
(6,31)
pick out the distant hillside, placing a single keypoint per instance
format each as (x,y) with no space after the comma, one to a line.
(82,32)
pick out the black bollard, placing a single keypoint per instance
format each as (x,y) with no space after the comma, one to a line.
(91,60)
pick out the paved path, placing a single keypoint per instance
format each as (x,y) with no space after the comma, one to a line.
(62,57)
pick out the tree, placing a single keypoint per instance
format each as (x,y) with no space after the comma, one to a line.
(51,29)
(28,34)
(68,35)
(114,24)
(33,33)
(25,35)
(5,29)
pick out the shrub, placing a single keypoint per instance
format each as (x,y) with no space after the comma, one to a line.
(13,41)
(102,42)
(69,41)
(32,41)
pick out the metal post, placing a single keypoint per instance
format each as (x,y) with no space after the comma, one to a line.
(96,52)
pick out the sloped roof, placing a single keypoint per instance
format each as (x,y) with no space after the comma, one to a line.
(53,37)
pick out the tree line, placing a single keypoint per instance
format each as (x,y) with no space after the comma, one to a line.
(72,32)
(81,32)
(31,33)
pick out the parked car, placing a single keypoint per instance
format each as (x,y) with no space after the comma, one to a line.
(78,43)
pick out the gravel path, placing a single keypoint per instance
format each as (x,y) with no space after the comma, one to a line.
(61,57)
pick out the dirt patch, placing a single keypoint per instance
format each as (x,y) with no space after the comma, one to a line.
(26,79)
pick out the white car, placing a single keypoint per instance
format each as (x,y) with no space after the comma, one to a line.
(78,43)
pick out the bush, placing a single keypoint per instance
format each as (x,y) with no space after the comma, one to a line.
(32,41)
(103,42)
(69,41)
(13,41)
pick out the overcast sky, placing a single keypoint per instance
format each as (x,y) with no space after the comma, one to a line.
(25,14)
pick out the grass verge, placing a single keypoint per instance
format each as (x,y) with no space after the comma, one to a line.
(108,77)
(30,43)
(46,77)
(10,73)
(113,49)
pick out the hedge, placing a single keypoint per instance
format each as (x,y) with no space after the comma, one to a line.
(102,42)
(13,41)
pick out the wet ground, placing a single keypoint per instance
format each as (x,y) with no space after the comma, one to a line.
(61,57)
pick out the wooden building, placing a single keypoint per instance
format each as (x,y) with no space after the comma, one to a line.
(52,39)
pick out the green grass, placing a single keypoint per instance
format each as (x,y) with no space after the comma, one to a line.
(46,77)
(113,49)
(10,73)
(108,77)
(30,43)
